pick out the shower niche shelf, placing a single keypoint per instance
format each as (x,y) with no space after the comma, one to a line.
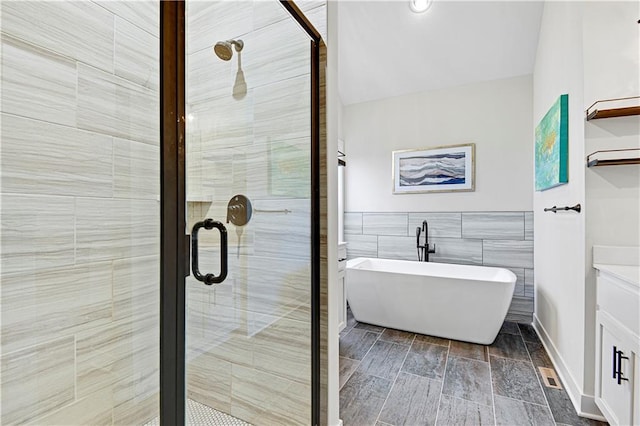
(614,157)
(609,108)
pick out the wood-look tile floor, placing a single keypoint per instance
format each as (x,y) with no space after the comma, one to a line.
(391,377)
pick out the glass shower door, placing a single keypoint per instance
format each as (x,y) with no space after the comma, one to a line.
(248,145)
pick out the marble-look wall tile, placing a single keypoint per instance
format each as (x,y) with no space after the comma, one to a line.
(267,13)
(352,223)
(453,250)
(112,105)
(520,281)
(143,13)
(122,349)
(43,158)
(529,283)
(136,54)
(37,83)
(49,385)
(280,234)
(26,246)
(111,229)
(96,409)
(262,398)
(384,224)
(516,254)
(130,410)
(286,295)
(210,22)
(521,305)
(225,333)
(223,123)
(65,28)
(528,225)
(444,225)
(136,170)
(209,77)
(361,245)
(54,302)
(135,287)
(501,226)
(209,381)
(275,53)
(402,248)
(282,109)
(285,173)
(282,349)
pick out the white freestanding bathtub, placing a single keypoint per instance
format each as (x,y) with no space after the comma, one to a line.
(459,302)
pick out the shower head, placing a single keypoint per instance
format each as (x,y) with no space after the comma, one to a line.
(223,48)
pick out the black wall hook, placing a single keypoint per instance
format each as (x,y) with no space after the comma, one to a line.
(577,208)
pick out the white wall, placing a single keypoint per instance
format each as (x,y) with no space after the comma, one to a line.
(495,115)
(559,238)
(590,51)
(611,69)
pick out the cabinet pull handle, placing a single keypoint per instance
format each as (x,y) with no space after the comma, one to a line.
(615,357)
(620,374)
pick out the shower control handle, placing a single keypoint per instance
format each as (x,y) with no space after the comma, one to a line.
(209,279)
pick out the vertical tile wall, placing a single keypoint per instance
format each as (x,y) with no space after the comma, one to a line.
(502,239)
(249,338)
(80,222)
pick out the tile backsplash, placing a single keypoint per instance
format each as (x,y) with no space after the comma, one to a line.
(503,239)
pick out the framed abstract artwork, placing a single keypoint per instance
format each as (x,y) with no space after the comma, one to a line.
(552,146)
(439,169)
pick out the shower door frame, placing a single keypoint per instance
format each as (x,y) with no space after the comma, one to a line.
(174,250)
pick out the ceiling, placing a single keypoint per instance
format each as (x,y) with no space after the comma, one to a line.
(387,50)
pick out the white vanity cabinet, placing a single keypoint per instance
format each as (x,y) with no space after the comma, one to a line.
(341,288)
(618,344)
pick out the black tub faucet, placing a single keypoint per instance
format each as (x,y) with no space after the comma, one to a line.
(424,250)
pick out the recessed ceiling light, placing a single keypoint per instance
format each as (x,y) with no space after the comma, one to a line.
(419,6)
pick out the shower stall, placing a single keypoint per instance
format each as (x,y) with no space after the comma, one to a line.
(124,125)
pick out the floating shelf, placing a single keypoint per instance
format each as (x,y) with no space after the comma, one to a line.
(614,157)
(619,107)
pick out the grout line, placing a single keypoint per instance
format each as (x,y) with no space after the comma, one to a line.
(544,394)
(393,384)
(444,377)
(493,399)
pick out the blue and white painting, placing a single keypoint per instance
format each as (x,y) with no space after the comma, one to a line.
(434,170)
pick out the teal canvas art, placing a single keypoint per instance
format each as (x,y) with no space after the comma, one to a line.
(552,146)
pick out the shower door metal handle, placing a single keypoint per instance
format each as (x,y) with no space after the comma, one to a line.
(209,279)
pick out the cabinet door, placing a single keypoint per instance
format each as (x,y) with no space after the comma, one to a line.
(616,397)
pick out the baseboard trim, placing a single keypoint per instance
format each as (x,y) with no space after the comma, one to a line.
(584,405)
(339,423)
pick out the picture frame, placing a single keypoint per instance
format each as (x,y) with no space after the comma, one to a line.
(552,146)
(439,169)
